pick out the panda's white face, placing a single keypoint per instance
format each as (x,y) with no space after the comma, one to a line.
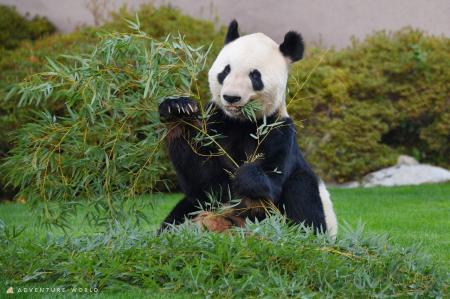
(250,68)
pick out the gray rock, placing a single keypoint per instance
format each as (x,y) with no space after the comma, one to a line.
(406,160)
(406,175)
(346,185)
(351,184)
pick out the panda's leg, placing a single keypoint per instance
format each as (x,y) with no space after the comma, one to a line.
(181,211)
(330,216)
(305,199)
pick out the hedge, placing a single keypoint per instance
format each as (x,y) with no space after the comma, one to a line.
(14,28)
(364,105)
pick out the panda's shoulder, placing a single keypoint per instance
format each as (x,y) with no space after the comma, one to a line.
(282,126)
(281,136)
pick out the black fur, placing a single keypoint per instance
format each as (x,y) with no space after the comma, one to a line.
(255,77)
(281,176)
(293,46)
(233,32)
(223,74)
(173,108)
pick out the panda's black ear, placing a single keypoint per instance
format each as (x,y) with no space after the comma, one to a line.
(233,32)
(292,46)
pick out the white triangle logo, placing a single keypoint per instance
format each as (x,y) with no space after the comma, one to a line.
(10,290)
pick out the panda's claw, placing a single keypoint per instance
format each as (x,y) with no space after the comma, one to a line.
(173,108)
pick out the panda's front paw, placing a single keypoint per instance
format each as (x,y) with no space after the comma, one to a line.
(173,108)
(250,181)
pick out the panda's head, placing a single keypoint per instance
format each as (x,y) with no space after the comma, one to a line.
(253,68)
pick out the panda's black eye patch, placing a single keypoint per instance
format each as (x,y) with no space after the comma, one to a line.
(255,77)
(222,75)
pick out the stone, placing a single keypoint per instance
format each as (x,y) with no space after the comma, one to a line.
(406,174)
(351,184)
(406,160)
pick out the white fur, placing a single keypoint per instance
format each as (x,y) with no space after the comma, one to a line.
(330,216)
(245,54)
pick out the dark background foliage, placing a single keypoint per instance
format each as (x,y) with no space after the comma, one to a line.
(15,28)
(364,105)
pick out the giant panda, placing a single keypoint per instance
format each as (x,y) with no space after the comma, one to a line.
(248,68)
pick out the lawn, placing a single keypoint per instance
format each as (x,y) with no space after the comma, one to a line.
(409,215)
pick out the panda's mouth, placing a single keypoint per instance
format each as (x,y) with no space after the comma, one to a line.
(233,109)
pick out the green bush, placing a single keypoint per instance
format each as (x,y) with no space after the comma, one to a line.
(364,105)
(15,28)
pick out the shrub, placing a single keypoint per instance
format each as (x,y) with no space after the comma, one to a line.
(15,28)
(364,105)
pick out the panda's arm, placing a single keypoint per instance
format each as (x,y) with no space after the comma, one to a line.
(264,179)
(195,170)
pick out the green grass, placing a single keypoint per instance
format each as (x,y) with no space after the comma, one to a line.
(410,214)
(220,265)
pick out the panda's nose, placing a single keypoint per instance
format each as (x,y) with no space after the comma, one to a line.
(231,99)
